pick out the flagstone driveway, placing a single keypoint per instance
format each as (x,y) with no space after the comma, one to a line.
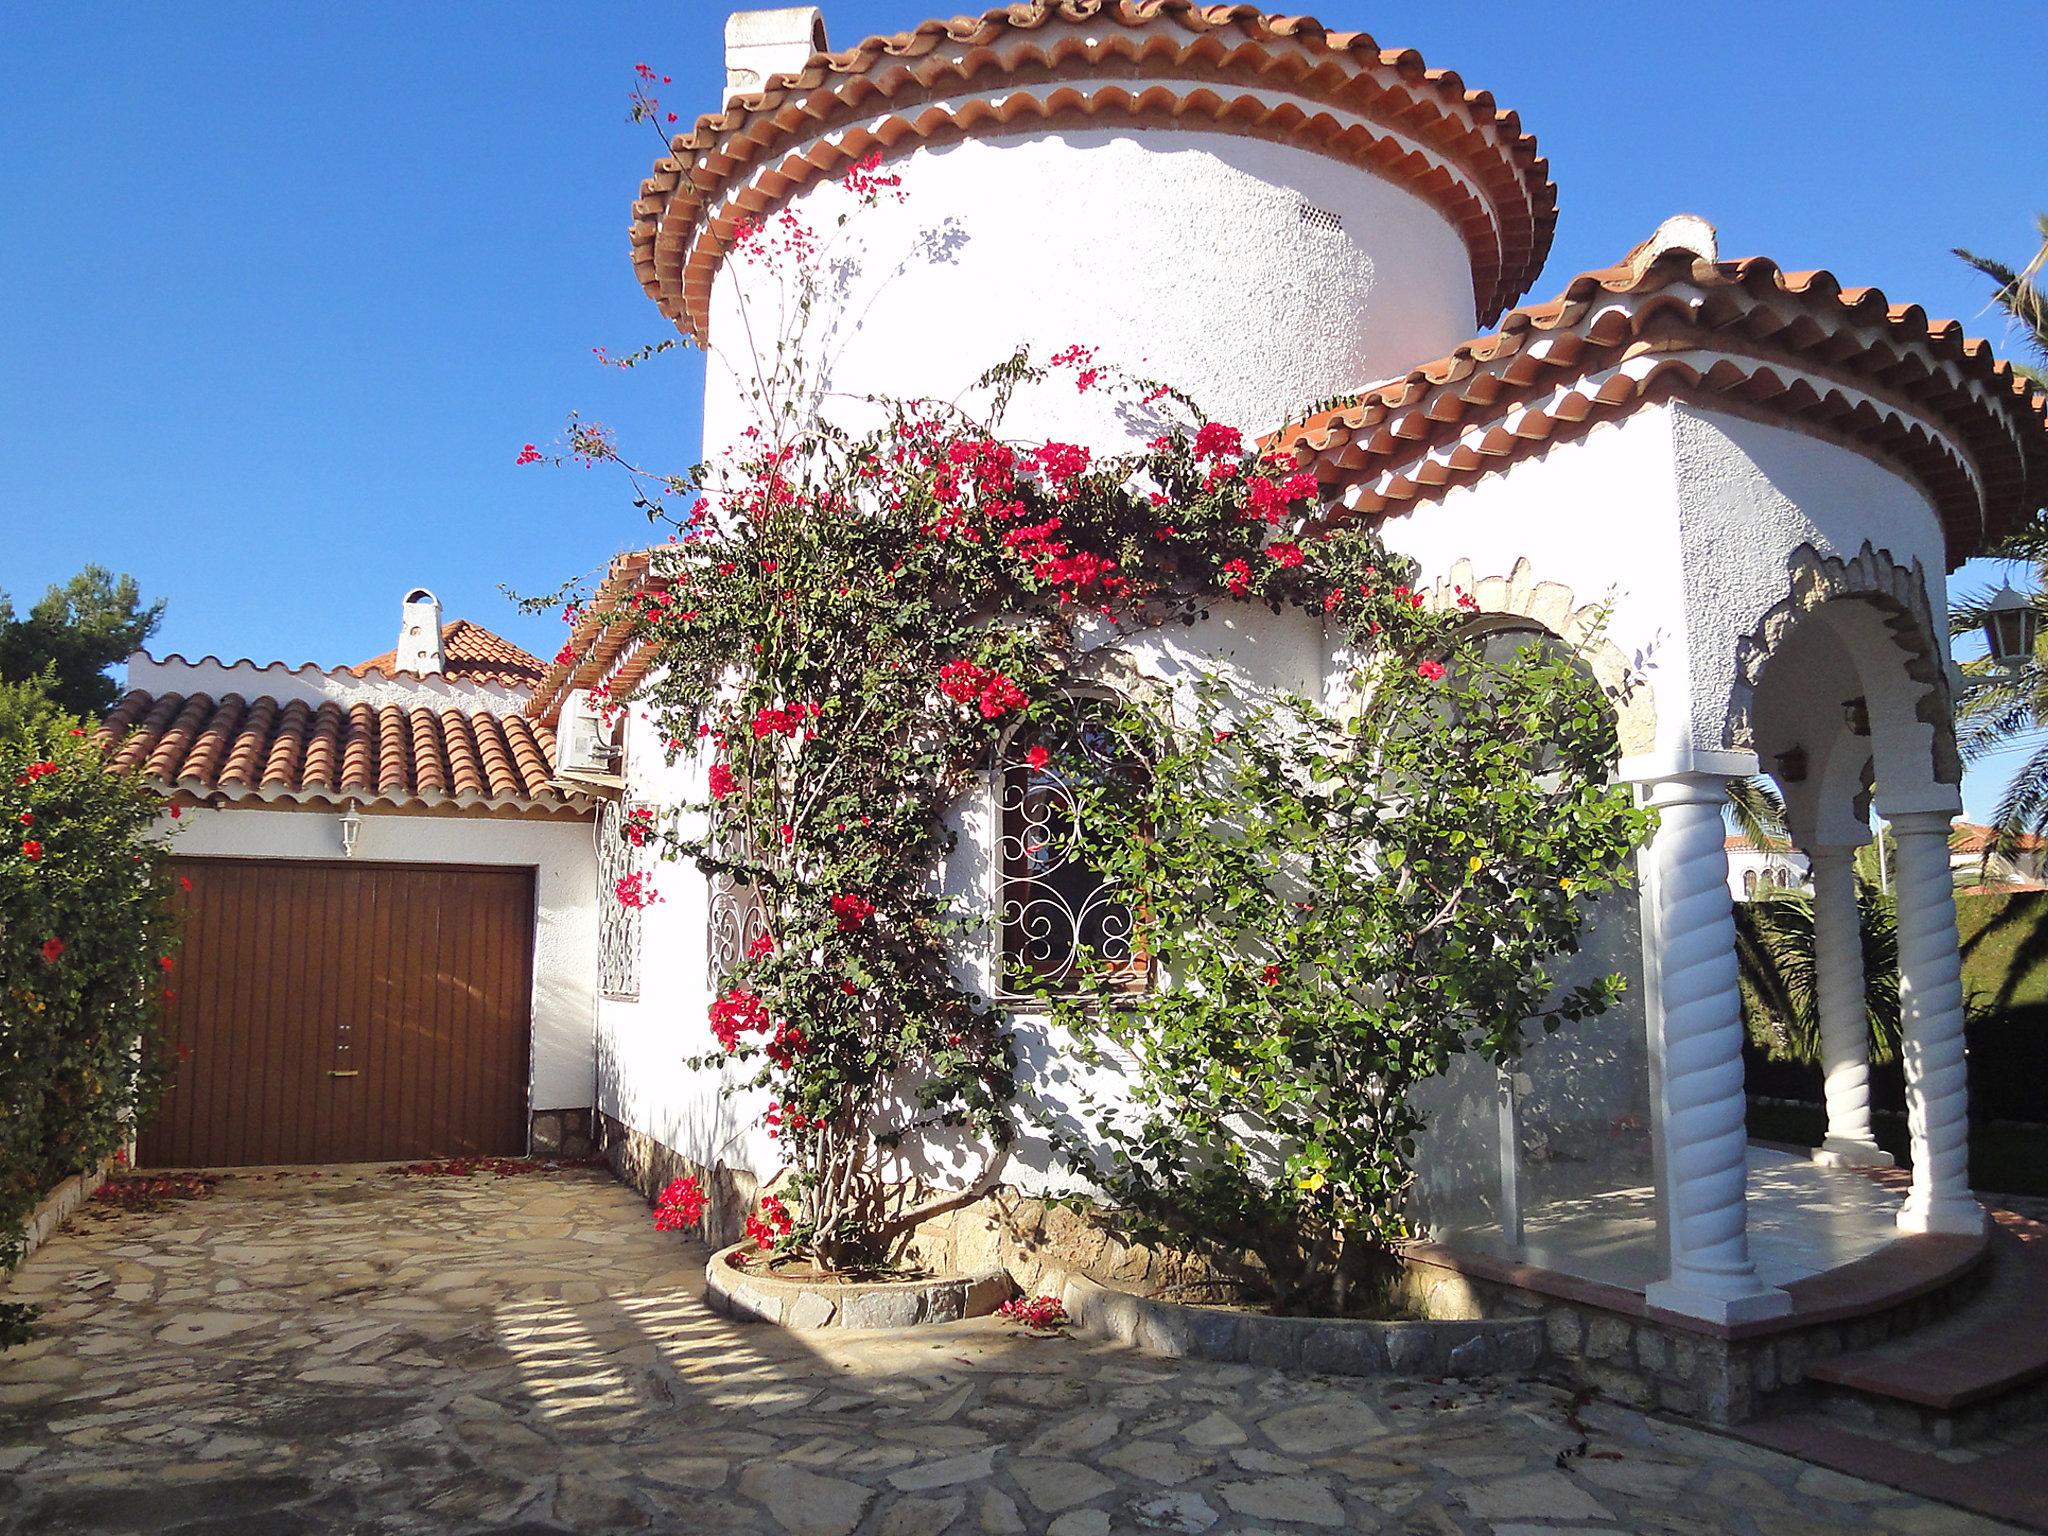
(352,1351)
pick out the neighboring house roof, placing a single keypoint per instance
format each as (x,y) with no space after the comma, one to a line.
(1840,362)
(1057,64)
(1971,837)
(474,654)
(1735,842)
(263,750)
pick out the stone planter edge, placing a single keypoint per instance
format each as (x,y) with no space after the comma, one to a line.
(1346,1347)
(751,1294)
(59,1206)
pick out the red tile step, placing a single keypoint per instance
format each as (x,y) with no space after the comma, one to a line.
(1994,1346)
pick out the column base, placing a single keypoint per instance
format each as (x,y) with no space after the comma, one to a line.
(1960,1217)
(1713,1298)
(1840,1152)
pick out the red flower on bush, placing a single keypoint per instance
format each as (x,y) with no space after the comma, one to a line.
(736,1013)
(1286,556)
(36,771)
(960,680)
(723,782)
(53,950)
(1237,577)
(636,890)
(1431,671)
(851,910)
(998,696)
(639,826)
(680,1205)
(761,944)
(1216,441)
(529,455)
(1036,759)
(771,1225)
(31,849)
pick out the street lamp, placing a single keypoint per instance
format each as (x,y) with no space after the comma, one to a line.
(2011,626)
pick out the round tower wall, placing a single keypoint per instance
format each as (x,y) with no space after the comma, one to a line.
(1259,277)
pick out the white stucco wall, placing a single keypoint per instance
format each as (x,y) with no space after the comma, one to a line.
(1751,493)
(1178,255)
(565,904)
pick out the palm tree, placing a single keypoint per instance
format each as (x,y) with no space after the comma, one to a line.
(1780,991)
(2003,705)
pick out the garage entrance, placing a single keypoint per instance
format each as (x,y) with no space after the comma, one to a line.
(346,1012)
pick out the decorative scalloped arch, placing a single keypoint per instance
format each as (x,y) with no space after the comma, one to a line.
(1900,593)
(1556,607)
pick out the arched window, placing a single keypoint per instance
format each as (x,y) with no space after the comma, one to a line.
(1058,914)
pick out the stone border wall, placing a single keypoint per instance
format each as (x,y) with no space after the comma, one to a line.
(746,1293)
(1654,1365)
(58,1207)
(1332,1346)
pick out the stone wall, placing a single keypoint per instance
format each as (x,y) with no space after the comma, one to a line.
(1649,1363)
(560,1133)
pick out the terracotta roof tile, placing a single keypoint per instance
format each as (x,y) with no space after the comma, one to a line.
(1746,334)
(1218,67)
(260,749)
(474,655)
(600,641)
(1971,837)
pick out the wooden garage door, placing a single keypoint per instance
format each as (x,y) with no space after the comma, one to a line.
(346,1013)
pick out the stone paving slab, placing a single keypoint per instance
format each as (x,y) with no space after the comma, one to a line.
(341,1350)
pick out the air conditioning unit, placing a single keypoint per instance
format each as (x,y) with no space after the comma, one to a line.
(587,749)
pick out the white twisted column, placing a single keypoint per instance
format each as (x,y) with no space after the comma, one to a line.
(1695,1028)
(1931,1018)
(1844,1011)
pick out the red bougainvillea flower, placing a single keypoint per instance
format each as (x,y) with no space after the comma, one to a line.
(1216,441)
(1036,759)
(27,818)
(736,1013)
(722,781)
(760,945)
(36,771)
(529,455)
(53,950)
(771,1225)
(184,882)
(1237,576)
(680,1205)
(1287,556)
(852,910)
(639,826)
(31,849)
(1042,1312)
(999,696)
(636,890)
(1431,671)
(166,962)
(960,680)
(1270,976)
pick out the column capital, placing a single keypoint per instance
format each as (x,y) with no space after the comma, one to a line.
(1831,853)
(1682,763)
(1922,823)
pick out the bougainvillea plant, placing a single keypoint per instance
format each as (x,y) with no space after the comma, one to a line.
(86,958)
(857,608)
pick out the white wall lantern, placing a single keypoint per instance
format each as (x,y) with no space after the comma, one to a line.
(2011,627)
(351,829)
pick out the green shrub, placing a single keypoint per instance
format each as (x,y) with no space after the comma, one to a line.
(85,957)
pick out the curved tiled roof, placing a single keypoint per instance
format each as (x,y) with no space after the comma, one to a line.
(1837,361)
(473,655)
(1068,63)
(261,749)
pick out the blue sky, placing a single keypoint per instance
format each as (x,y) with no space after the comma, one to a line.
(283,288)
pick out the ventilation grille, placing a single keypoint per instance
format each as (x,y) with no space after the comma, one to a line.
(1319,218)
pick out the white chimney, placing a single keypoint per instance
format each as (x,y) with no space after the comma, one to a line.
(419,634)
(763,43)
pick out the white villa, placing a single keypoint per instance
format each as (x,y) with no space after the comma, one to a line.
(1752,481)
